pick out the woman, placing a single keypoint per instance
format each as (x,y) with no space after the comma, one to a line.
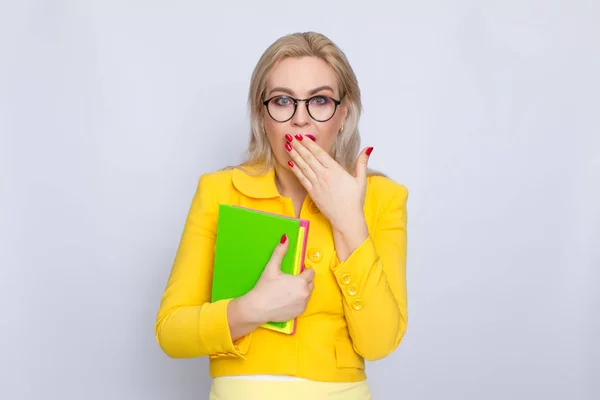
(351,298)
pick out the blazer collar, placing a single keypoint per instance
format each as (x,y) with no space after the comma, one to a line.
(250,181)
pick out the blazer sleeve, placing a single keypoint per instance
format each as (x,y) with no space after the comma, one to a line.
(373,282)
(188,324)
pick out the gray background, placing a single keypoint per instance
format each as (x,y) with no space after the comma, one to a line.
(488,111)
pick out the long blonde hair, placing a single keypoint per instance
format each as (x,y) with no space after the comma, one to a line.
(306,44)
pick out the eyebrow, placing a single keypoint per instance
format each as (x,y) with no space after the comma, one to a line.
(291,92)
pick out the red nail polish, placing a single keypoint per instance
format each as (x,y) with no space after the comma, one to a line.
(369,150)
(288,137)
(291,163)
(299,137)
(311,137)
(288,147)
(283,239)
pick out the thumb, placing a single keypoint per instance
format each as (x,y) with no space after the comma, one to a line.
(274,264)
(361,164)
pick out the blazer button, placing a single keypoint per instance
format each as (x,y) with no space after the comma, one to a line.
(352,290)
(357,304)
(346,279)
(315,255)
(313,208)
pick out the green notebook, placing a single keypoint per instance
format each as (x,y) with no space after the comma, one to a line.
(245,242)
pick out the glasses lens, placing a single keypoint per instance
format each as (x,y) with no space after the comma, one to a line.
(281,108)
(321,108)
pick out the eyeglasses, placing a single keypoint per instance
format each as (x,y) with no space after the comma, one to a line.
(283,108)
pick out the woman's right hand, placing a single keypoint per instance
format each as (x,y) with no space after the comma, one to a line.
(278,296)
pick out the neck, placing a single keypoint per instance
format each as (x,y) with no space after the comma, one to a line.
(287,183)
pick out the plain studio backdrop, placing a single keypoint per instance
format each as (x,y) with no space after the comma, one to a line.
(488,111)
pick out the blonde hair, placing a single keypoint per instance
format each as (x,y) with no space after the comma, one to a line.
(307,44)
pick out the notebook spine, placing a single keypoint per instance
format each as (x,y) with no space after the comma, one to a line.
(305,224)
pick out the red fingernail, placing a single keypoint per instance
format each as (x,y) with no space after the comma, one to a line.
(369,150)
(299,137)
(283,239)
(288,137)
(291,163)
(311,137)
(288,147)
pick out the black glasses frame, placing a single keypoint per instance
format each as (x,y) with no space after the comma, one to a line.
(306,101)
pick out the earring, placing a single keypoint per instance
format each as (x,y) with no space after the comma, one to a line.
(341,129)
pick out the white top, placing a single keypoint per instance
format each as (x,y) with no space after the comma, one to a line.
(264,377)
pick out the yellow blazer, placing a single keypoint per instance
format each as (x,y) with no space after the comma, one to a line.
(358,308)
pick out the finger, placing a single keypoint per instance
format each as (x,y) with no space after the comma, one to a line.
(300,163)
(274,264)
(361,164)
(308,185)
(309,289)
(308,275)
(317,151)
(301,147)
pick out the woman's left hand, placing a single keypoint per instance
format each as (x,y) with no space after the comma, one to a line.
(338,195)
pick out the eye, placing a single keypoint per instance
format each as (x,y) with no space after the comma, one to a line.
(283,101)
(320,100)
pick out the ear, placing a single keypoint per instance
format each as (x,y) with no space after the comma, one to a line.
(261,121)
(344,111)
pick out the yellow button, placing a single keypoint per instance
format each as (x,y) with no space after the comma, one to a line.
(346,279)
(313,208)
(357,304)
(307,266)
(315,255)
(352,290)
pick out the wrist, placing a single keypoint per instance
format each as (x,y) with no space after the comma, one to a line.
(250,310)
(354,226)
(349,237)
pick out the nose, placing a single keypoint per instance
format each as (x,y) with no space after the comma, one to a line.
(301,117)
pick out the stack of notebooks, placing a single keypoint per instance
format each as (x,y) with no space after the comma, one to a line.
(245,242)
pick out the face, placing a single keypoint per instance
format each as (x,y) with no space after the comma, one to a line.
(302,78)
